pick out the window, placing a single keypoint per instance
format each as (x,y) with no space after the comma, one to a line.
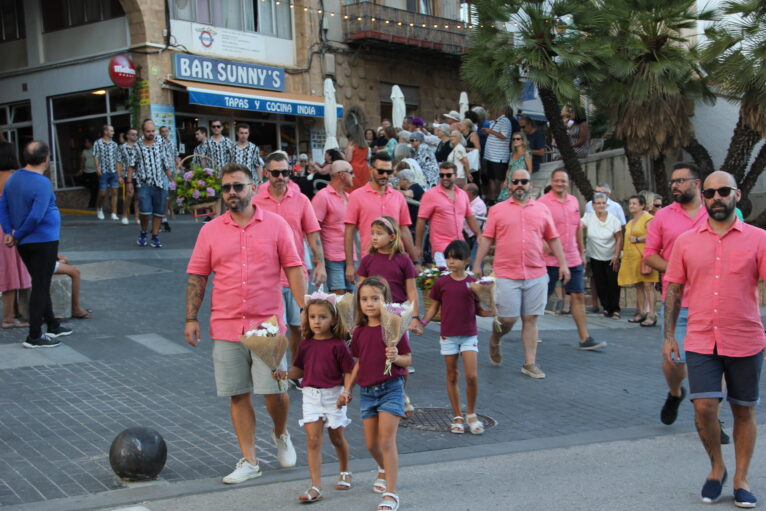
(11,20)
(270,17)
(420,6)
(60,14)
(469,13)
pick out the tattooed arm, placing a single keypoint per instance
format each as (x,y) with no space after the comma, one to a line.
(317,257)
(672,308)
(195,293)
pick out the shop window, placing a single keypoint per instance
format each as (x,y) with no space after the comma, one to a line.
(11,20)
(60,14)
(271,17)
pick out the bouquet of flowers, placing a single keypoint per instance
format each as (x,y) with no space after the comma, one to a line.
(484,289)
(394,320)
(196,186)
(426,278)
(267,343)
(345,306)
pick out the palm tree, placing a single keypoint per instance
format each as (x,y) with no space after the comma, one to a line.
(541,48)
(735,57)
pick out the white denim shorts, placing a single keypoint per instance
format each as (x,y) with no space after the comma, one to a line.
(320,404)
(458,344)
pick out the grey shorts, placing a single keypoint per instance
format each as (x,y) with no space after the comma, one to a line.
(292,311)
(516,298)
(237,371)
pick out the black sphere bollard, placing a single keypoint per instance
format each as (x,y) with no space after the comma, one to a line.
(138,454)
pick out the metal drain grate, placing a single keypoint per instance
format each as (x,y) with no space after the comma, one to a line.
(438,419)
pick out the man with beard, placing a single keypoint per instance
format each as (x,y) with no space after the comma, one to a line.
(519,228)
(446,207)
(151,168)
(247,249)
(720,262)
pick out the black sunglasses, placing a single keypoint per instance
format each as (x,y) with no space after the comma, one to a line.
(277,173)
(517,138)
(680,180)
(445,175)
(384,171)
(238,187)
(724,191)
(216,126)
(519,181)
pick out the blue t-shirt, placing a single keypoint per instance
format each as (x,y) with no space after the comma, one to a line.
(536,141)
(28,208)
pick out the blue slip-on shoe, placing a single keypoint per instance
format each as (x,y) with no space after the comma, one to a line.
(156,242)
(743,498)
(141,241)
(712,489)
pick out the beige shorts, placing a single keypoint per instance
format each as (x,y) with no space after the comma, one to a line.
(516,298)
(237,371)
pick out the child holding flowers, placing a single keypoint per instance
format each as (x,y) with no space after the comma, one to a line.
(381,395)
(452,294)
(325,364)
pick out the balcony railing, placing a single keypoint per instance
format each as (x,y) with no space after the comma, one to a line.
(374,22)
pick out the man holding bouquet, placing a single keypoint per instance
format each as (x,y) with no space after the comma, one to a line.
(247,249)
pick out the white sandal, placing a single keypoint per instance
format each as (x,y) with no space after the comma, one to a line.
(390,502)
(307,498)
(457,427)
(344,481)
(409,408)
(476,427)
(379,486)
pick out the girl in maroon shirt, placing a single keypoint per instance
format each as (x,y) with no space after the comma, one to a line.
(325,364)
(381,395)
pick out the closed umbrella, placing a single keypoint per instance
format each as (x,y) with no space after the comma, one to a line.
(463,104)
(330,115)
(399,109)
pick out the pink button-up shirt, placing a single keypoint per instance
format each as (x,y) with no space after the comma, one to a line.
(247,262)
(722,273)
(566,216)
(519,232)
(365,205)
(330,209)
(446,216)
(661,233)
(296,209)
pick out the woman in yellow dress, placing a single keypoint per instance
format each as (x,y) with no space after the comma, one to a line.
(632,271)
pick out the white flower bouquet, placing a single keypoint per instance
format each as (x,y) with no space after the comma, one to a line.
(268,344)
(394,320)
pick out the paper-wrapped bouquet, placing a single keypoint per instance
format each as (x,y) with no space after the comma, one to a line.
(267,343)
(394,320)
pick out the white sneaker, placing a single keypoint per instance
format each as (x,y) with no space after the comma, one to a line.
(115,217)
(242,472)
(124,221)
(100,214)
(285,450)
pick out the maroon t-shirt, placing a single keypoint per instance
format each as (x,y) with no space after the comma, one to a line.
(368,346)
(323,362)
(395,270)
(458,305)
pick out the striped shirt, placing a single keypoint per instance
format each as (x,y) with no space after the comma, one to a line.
(150,163)
(108,154)
(497,149)
(247,156)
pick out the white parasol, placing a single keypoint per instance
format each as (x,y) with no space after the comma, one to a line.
(463,104)
(399,108)
(330,115)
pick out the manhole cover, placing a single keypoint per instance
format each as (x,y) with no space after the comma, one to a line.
(438,419)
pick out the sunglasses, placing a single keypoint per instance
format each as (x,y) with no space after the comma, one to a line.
(277,173)
(216,126)
(517,138)
(680,180)
(414,140)
(237,187)
(724,191)
(384,171)
(346,172)
(520,181)
(442,176)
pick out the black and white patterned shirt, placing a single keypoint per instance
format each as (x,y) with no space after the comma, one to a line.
(108,154)
(222,151)
(127,154)
(247,156)
(150,163)
(170,148)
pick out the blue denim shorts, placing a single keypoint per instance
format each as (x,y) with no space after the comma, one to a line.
(743,376)
(108,180)
(576,282)
(336,276)
(385,397)
(152,200)
(680,332)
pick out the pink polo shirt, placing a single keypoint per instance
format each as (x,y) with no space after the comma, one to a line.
(247,263)
(446,216)
(722,273)
(296,209)
(666,226)
(366,205)
(519,232)
(566,216)
(330,209)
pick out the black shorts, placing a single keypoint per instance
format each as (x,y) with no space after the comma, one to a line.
(497,170)
(742,374)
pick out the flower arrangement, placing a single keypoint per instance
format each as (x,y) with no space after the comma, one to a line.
(197,185)
(428,277)
(394,319)
(267,343)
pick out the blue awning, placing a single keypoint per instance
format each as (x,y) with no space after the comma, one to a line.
(240,98)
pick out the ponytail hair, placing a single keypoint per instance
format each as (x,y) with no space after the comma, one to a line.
(389,225)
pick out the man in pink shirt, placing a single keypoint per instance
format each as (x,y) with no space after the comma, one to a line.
(565,210)
(370,202)
(289,203)
(330,204)
(685,214)
(721,261)
(519,228)
(247,249)
(447,207)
